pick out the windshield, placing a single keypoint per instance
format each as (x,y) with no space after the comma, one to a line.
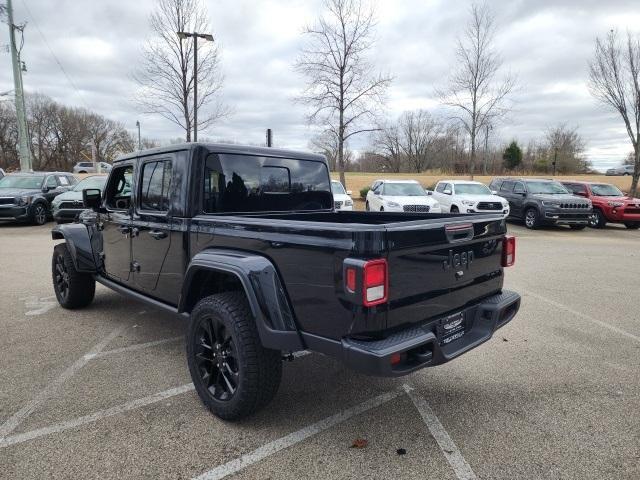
(403,190)
(337,188)
(550,188)
(10,181)
(605,190)
(472,189)
(90,182)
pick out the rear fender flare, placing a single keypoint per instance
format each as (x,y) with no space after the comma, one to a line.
(78,242)
(262,287)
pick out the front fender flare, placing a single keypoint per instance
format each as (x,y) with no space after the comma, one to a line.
(262,287)
(78,241)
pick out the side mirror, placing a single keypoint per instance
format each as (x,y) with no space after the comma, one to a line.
(494,192)
(429,192)
(349,192)
(92,198)
(447,191)
(45,189)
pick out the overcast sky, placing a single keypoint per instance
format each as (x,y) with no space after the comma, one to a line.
(547,43)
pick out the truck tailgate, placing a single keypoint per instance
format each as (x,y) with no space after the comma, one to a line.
(438,268)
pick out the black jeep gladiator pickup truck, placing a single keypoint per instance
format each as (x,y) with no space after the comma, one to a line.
(245,244)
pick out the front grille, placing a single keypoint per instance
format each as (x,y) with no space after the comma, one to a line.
(490,206)
(570,216)
(337,204)
(7,201)
(574,205)
(70,205)
(416,208)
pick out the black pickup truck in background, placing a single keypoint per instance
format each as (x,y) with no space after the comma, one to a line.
(245,244)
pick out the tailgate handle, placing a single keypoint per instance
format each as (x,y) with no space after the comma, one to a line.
(459,232)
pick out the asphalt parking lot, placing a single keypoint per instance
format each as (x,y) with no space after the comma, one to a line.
(105,392)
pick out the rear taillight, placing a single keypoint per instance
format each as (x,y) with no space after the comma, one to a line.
(375,284)
(508,251)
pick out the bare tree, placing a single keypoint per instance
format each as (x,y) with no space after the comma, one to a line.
(614,79)
(387,143)
(326,143)
(565,146)
(165,74)
(474,90)
(420,132)
(342,89)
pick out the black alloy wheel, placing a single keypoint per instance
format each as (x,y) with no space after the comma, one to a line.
(531,219)
(216,359)
(39,214)
(60,276)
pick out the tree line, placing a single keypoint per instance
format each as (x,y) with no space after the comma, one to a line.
(60,136)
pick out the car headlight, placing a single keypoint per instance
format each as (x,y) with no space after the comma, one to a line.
(615,204)
(393,204)
(468,203)
(550,204)
(349,203)
(505,204)
(24,200)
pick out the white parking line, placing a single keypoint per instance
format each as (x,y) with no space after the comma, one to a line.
(287,441)
(460,466)
(137,346)
(94,417)
(17,418)
(584,316)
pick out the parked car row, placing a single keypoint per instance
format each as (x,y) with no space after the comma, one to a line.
(534,201)
(40,196)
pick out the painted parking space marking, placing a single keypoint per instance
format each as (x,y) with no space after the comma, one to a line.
(584,316)
(137,346)
(17,418)
(39,305)
(452,453)
(298,436)
(94,417)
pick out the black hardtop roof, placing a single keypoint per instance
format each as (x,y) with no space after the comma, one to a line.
(227,148)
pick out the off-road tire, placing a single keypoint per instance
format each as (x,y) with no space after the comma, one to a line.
(531,218)
(73,289)
(632,225)
(259,368)
(598,220)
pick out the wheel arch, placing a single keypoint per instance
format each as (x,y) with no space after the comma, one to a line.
(215,271)
(79,243)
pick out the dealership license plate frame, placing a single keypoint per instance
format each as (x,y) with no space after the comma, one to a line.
(451,328)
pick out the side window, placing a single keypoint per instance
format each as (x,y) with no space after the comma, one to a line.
(447,187)
(576,188)
(440,187)
(155,183)
(378,188)
(495,185)
(51,182)
(63,181)
(519,188)
(375,185)
(507,186)
(119,188)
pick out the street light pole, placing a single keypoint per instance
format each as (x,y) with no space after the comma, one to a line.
(139,142)
(25,152)
(195,35)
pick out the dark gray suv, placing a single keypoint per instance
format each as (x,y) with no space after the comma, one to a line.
(539,202)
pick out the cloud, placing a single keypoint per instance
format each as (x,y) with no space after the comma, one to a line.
(547,43)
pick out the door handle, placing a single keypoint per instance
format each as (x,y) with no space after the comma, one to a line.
(158,234)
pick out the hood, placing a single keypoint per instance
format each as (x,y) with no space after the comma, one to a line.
(625,199)
(481,198)
(410,199)
(16,192)
(69,195)
(341,197)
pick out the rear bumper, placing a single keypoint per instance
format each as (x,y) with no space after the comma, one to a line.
(419,346)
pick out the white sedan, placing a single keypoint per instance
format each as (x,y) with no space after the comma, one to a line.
(463,196)
(400,196)
(341,200)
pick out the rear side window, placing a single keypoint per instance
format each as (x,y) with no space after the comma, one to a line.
(155,183)
(519,188)
(245,183)
(507,186)
(495,185)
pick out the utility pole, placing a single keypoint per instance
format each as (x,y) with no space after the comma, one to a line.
(269,137)
(23,132)
(139,142)
(195,35)
(555,159)
(487,127)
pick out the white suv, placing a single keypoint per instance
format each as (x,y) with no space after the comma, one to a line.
(400,196)
(341,199)
(463,196)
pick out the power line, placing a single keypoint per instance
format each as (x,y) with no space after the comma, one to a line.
(44,39)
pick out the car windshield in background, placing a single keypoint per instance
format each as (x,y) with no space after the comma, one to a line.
(90,182)
(472,189)
(337,188)
(21,182)
(403,190)
(551,188)
(605,190)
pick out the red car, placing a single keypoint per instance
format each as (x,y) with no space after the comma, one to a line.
(609,204)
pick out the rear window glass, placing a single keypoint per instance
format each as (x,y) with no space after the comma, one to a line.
(245,183)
